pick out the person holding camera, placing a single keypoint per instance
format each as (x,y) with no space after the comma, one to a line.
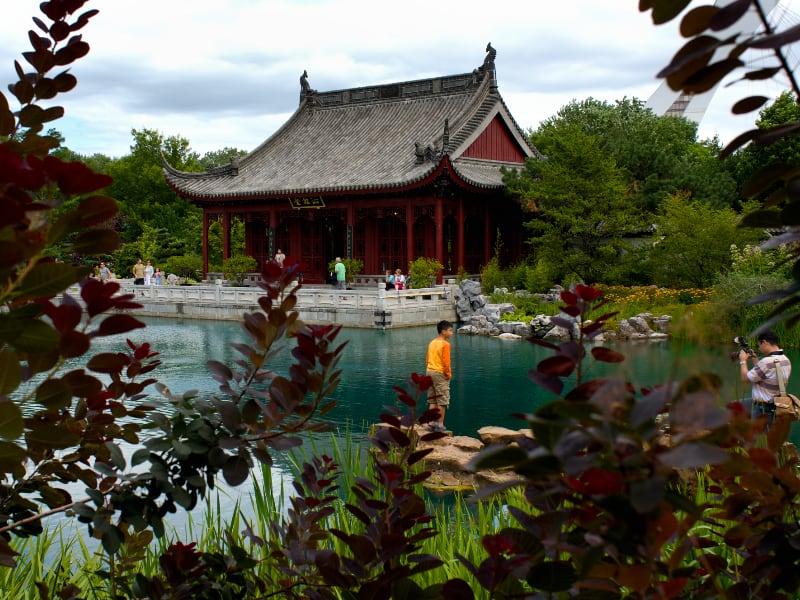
(763,375)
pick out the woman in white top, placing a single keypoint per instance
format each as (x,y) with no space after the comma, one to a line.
(279,258)
(148,273)
(399,280)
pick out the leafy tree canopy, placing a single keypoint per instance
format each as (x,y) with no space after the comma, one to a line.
(657,155)
(582,203)
(144,196)
(692,242)
(786,151)
(217,158)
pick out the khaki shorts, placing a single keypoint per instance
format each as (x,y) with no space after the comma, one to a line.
(440,393)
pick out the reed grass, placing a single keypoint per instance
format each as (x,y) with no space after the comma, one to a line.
(62,555)
(59,556)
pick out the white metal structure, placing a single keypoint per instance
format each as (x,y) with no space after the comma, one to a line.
(665,101)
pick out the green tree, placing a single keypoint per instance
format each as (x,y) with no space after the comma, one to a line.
(217,158)
(144,195)
(658,155)
(692,242)
(582,204)
(754,158)
(692,71)
(152,244)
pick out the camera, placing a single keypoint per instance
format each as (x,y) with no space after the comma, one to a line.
(743,345)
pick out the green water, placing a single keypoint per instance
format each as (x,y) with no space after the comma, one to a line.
(490,376)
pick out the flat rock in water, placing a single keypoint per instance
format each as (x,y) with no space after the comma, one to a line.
(451,454)
(491,434)
(509,336)
(446,457)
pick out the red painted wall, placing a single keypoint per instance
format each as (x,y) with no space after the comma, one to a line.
(496,143)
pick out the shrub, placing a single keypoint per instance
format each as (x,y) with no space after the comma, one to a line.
(492,276)
(424,271)
(539,278)
(755,261)
(236,268)
(598,467)
(731,312)
(187,266)
(536,278)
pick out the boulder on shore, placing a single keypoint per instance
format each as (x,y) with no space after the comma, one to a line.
(483,318)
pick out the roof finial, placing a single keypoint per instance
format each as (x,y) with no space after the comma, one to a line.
(488,60)
(305,89)
(488,63)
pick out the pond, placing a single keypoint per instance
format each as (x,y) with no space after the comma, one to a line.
(490,377)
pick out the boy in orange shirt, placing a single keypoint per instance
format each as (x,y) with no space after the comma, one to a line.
(438,368)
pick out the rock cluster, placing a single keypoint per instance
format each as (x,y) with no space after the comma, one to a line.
(450,456)
(483,318)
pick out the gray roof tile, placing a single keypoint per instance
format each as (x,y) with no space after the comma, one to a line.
(363,139)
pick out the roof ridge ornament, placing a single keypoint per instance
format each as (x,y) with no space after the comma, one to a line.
(305,88)
(429,152)
(491,54)
(487,68)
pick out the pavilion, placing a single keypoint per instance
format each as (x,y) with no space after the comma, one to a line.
(385,174)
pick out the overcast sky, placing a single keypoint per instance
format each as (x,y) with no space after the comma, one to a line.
(226,72)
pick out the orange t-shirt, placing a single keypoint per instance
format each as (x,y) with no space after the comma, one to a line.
(438,358)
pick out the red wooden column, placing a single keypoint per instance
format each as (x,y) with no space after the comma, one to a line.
(439,221)
(226,234)
(409,233)
(205,243)
(460,233)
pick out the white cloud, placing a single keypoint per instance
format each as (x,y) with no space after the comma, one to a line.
(227,73)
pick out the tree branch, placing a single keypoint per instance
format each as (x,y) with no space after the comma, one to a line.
(39,516)
(781,58)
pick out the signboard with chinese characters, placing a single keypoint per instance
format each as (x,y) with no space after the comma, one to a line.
(307,202)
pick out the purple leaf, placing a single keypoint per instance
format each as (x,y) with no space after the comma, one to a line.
(548,382)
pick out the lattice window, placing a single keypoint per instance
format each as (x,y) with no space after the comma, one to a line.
(392,243)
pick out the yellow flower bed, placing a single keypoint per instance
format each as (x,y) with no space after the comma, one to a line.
(651,296)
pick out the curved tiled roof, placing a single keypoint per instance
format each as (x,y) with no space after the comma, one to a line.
(363,139)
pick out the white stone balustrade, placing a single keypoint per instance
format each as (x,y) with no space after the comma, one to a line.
(367,306)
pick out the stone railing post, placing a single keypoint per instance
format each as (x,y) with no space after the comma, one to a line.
(381,296)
